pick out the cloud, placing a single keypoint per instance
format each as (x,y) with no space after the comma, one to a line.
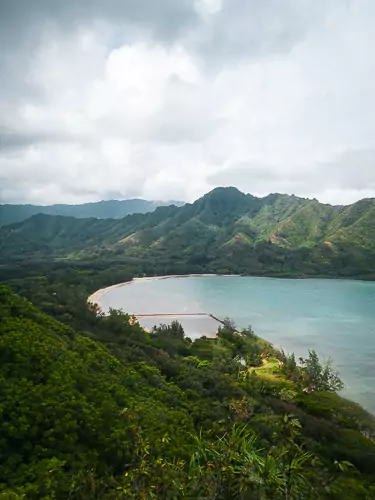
(162,18)
(243,29)
(351,173)
(167,99)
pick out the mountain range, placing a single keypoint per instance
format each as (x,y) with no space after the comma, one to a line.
(109,209)
(224,231)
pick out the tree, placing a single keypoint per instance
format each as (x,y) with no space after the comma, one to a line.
(229,325)
(288,364)
(249,333)
(170,338)
(112,412)
(174,330)
(318,376)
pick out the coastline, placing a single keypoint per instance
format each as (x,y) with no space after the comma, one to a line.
(93,299)
(350,383)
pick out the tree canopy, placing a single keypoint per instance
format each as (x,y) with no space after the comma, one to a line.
(94,407)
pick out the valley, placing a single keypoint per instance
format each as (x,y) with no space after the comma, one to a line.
(96,404)
(224,232)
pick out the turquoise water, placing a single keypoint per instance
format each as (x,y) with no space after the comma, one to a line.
(334,317)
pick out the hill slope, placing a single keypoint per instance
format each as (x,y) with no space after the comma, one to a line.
(115,413)
(224,231)
(110,209)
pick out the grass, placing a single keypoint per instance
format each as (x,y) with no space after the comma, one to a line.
(269,369)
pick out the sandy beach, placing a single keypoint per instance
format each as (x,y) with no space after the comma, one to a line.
(93,299)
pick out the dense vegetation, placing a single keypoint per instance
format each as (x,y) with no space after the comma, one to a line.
(226,231)
(111,209)
(91,406)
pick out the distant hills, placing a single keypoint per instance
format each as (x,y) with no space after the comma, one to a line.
(224,231)
(111,209)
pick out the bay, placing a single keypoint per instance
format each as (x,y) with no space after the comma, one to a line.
(334,317)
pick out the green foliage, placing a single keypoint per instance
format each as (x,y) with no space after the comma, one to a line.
(319,377)
(244,346)
(61,400)
(333,407)
(171,338)
(288,366)
(94,407)
(226,231)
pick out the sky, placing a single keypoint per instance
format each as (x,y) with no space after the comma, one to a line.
(169,99)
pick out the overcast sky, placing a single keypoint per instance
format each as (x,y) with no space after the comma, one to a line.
(166,99)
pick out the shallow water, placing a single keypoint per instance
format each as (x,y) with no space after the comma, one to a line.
(334,317)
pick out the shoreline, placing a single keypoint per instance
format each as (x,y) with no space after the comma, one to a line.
(93,298)
(96,295)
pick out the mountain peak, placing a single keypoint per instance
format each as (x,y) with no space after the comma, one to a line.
(225,191)
(222,204)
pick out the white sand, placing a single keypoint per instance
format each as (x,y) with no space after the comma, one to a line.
(93,299)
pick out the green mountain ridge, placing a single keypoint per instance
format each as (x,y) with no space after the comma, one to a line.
(224,231)
(94,407)
(108,209)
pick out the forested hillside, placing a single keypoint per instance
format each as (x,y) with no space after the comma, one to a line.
(110,209)
(226,231)
(95,408)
